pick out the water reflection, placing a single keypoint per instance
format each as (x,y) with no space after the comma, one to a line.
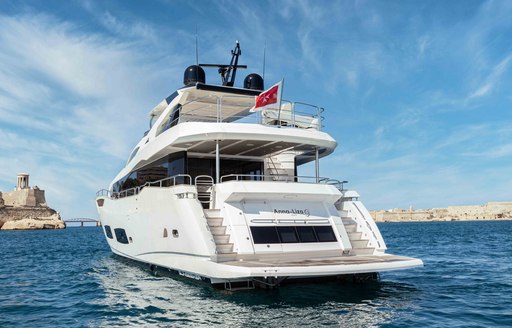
(131,295)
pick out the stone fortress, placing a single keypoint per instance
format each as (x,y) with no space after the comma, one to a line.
(489,211)
(25,208)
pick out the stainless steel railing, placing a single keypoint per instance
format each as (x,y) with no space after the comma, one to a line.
(282,178)
(178,179)
(211,109)
(206,182)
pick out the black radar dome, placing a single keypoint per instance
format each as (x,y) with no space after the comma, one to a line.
(194,74)
(253,81)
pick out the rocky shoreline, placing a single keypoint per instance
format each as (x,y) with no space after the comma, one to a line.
(488,212)
(25,208)
(402,219)
(30,218)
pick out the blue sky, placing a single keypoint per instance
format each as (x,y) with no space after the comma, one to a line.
(417,93)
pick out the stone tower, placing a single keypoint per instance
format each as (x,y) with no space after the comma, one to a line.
(22,181)
(24,195)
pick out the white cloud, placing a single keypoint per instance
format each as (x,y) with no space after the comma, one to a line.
(423,43)
(72,98)
(492,152)
(70,103)
(492,78)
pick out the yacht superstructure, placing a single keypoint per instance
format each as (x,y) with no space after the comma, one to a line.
(211,192)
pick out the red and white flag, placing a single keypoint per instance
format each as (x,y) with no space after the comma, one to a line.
(272,96)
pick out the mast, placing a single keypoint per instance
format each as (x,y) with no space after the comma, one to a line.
(228,72)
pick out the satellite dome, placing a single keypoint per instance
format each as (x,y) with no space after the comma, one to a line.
(253,81)
(194,74)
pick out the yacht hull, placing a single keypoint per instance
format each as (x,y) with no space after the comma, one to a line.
(168,229)
(212,192)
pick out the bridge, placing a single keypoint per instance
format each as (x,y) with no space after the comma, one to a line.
(82,221)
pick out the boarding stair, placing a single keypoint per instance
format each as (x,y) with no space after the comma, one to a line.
(223,248)
(357,239)
(276,169)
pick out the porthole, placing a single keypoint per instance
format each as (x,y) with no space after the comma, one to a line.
(121,236)
(108,232)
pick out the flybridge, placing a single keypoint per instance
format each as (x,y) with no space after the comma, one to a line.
(202,102)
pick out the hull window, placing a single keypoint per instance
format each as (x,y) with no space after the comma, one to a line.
(121,236)
(265,235)
(108,232)
(325,234)
(307,234)
(287,235)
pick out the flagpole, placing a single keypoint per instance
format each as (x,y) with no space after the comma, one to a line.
(264,55)
(280,100)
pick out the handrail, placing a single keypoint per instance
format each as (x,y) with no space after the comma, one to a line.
(337,183)
(308,115)
(103,192)
(166,182)
(204,184)
(263,177)
(173,178)
(204,180)
(367,224)
(274,166)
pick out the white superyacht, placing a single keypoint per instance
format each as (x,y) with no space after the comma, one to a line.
(211,192)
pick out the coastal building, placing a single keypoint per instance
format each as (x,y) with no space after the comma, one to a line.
(25,208)
(489,211)
(24,195)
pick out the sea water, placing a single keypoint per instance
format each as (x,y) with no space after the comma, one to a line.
(69,278)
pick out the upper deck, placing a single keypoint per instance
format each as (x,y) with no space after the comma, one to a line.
(217,104)
(203,119)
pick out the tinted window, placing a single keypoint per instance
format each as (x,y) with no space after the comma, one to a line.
(121,236)
(108,232)
(306,235)
(299,234)
(168,166)
(171,97)
(325,234)
(287,234)
(206,166)
(134,152)
(170,121)
(264,235)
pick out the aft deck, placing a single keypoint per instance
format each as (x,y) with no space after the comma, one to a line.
(310,262)
(272,271)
